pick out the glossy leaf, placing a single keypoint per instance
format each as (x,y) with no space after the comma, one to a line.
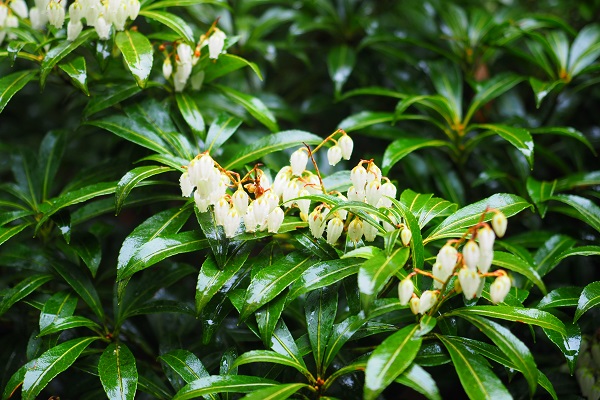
(253,105)
(191,114)
(390,359)
(132,178)
(548,254)
(12,83)
(340,63)
(524,315)
(561,297)
(518,137)
(7,233)
(220,130)
(455,225)
(283,343)
(22,290)
(320,310)
(118,372)
(278,392)
(584,49)
(323,274)
(57,53)
(77,71)
(222,384)
(416,242)
(63,323)
(416,378)
(82,285)
(564,131)
(227,63)
(269,356)
(342,332)
(113,95)
(219,243)
(569,344)
(400,148)
(182,3)
(578,180)
(268,316)
(540,192)
(516,264)
(585,209)
(491,89)
(542,89)
(186,364)
(61,304)
(590,297)
(364,119)
(476,377)
(137,53)
(49,158)
(51,363)
(269,144)
(178,25)
(375,273)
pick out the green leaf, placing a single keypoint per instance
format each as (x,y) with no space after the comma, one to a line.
(77,71)
(476,377)
(172,21)
(268,316)
(569,344)
(186,364)
(548,254)
(51,363)
(269,144)
(112,95)
(376,272)
(491,89)
(524,315)
(7,233)
(253,105)
(340,63)
(118,372)
(323,274)
(63,323)
(277,392)
(590,297)
(518,137)
(457,223)
(138,54)
(317,247)
(542,89)
(60,305)
(447,80)
(131,179)
(517,264)
(419,380)
(22,290)
(578,180)
(12,83)
(220,130)
(227,63)
(364,119)
(55,54)
(510,345)
(82,284)
(400,148)
(585,209)
(49,157)
(561,297)
(342,332)
(390,359)
(269,356)
(222,384)
(16,380)
(191,114)
(219,243)
(584,49)
(416,243)
(272,280)
(540,192)
(564,131)
(283,342)
(320,310)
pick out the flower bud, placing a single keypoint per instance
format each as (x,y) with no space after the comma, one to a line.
(102,28)
(471,255)
(281,180)
(133,9)
(249,220)
(56,14)
(38,19)
(261,210)
(355,194)
(440,273)
(275,219)
(298,161)
(405,290)
(19,7)
(388,189)
(186,185)
(485,261)
(486,238)
(346,145)
(428,300)
(240,200)
(499,289)
(414,305)
(303,205)
(316,223)
(355,230)
(499,224)
(372,192)
(334,155)
(216,42)
(74,28)
(335,227)
(405,236)
(469,282)
(222,207)
(358,176)
(231,223)
(373,172)
(342,213)
(369,231)
(167,68)
(201,202)
(447,257)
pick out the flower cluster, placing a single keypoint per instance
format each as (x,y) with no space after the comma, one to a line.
(587,370)
(471,266)
(186,58)
(209,184)
(8,17)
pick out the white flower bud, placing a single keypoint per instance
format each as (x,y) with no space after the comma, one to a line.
(312,183)
(56,14)
(186,185)
(196,81)
(281,179)
(485,261)
(334,155)
(184,53)
(206,186)
(167,68)
(261,210)
(499,224)
(272,200)
(343,214)
(439,273)
(372,192)
(290,192)
(38,19)
(499,289)
(447,257)
(414,305)
(73,30)
(201,203)
(316,223)
(358,176)
(355,230)
(388,189)
(298,161)
(373,173)
(231,223)
(12,22)
(240,200)
(355,194)
(335,227)
(369,231)
(486,238)
(303,205)
(249,220)
(19,7)
(346,145)
(405,236)
(102,28)
(3,14)
(471,255)
(275,219)
(120,16)
(182,73)
(222,207)
(133,9)
(76,12)
(428,300)
(406,289)
(469,282)
(216,42)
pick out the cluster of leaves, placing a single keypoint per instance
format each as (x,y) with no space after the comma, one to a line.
(112,284)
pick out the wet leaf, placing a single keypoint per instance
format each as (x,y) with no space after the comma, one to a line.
(517,264)
(419,380)
(320,310)
(138,54)
(21,290)
(186,364)
(253,105)
(375,273)
(340,63)
(191,114)
(561,297)
(77,71)
(57,53)
(590,297)
(518,137)
(118,372)
(222,384)
(402,147)
(132,178)
(12,83)
(585,209)
(278,392)
(178,25)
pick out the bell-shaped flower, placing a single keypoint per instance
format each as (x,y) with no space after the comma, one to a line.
(447,257)
(275,219)
(440,274)
(358,176)
(167,68)
(334,155)
(316,223)
(406,289)
(499,224)
(3,14)
(206,185)
(19,7)
(346,145)
(222,207)
(186,185)
(471,255)
(469,282)
(290,192)
(355,230)
(133,9)
(485,260)
(261,210)
(355,194)
(11,22)
(335,227)
(486,238)
(298,161)
(405,236)
(216,42)
(388,189)
(281,180)
(231,223)
(38,19)
(102,28)
(414,305)
(182,73)
(120,16)
(249,220)
(372,192)
(240,200)
(272,200)
(373,172)
(56,14)
(428,300)
(201,203)
(311,182)
(73,30)
(500,288)
(303,205)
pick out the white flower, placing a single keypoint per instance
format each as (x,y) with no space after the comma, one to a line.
(373,172)
(19,7)
(73,30)
(281,180)
(414,305)
(298,161)
(12,22)
(184,53)
(261,210)
(388,189)
(290,192)
(355,230)
(335,227)
(313,185)
(486,238)
(428,300)
(369,231)
(485,261)
(249,220)
(356,195)
(303,205)
(275,219)
(120,16)
(167,68)
(499,224)
(56,14)
(447,258)
(102,28)
(133,9)
(358,176)
(201,203)
(38,19)
(440,273)
(216,42)
(182,73)
(184,183)
(346,145)
(316,223)
(272,200)
(342,213)
(222,207)
(499,289)
(471,255)
(469,282)
(372,192)
(406,289)
(76,11)
(240,200)
(3,14)
(405,236)
(334,155)
(231,223)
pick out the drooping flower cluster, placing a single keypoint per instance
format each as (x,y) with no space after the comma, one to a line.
(471,266)
(186,58)
(209,184)
(8,17)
